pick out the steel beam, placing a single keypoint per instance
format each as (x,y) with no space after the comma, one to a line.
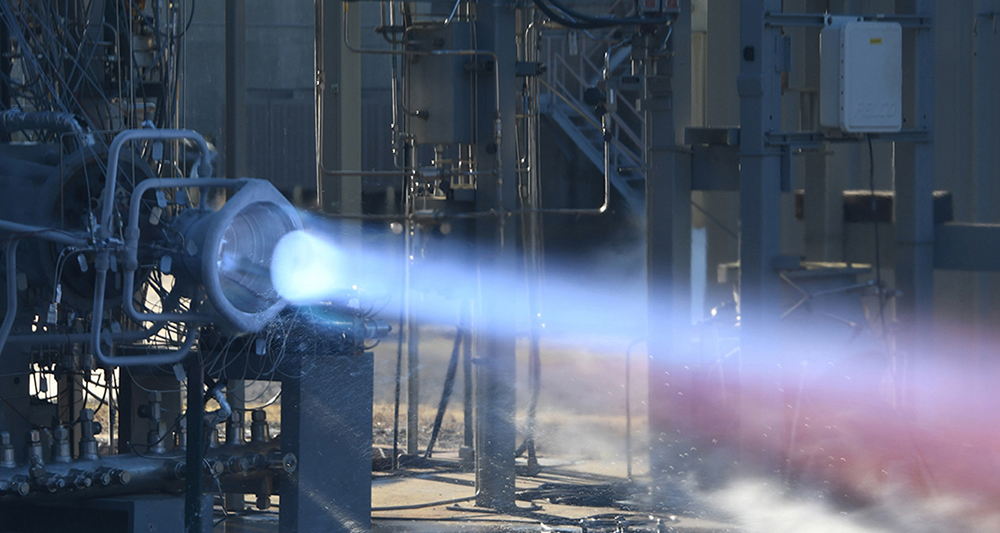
(777,19)
(968,247)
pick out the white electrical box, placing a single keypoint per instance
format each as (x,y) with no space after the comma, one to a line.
(861,75)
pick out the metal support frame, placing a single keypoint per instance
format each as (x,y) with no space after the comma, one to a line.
(326,413)
(815,139)
(762,144)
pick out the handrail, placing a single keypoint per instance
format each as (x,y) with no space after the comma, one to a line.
(575,107)
(558,85)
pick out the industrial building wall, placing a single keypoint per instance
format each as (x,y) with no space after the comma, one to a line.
(279,82)
(965,136)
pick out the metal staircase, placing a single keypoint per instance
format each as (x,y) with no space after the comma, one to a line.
(568,75)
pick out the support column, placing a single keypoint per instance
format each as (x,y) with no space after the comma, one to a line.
(759,87)
(824,204)
(326,421)
(338,109)
(666,104)
(915,209)
(986,162)
(193,510)
(236,40)
(496,238)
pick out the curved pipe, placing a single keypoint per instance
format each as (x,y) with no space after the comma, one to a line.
(203,167)
(55,121)
(159,358)
(132,242)
(49,234)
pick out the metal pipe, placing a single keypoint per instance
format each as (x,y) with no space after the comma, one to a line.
(129,474)
(132,242)
(49,234)
(160,358)
(203,167)
(590,120)
(55,121)
(369,173)
(52,338)
(467,52)
(607,171)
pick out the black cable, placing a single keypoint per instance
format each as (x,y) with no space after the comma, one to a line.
(628,407)
(449,384)
(610,21)
(878,248)
(549,12)
(424,505)
(399,376)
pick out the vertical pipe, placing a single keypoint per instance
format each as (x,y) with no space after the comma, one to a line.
(412,376)
(467,374)
(195,447)
(236,396)
(319,98)
(412,323)
(236,22)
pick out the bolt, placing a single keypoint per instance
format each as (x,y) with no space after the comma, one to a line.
(238,464)
(87,415)
(34,436)
(54,483)
(36,470)
(259,416)
(82,481)
(20,485)
(5,438)
(61,434)
(215,468)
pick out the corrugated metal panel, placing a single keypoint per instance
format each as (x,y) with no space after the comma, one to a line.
(376,129)
(280,143)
